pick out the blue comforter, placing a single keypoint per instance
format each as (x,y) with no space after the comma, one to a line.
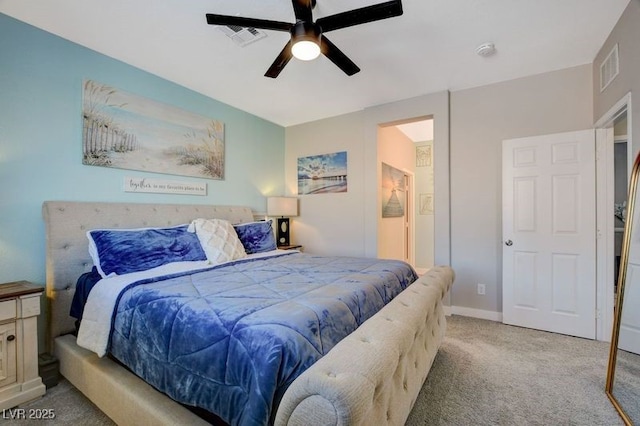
(232,338)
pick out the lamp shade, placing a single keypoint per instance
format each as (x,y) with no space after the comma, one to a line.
(282,206)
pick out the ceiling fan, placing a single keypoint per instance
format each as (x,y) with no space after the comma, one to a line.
(307,36)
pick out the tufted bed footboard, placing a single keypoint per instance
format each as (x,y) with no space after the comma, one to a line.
(375,374)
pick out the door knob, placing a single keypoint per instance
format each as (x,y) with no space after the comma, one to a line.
(11,338)
(509,243)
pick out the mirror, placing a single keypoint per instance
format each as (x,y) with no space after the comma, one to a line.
(623,374)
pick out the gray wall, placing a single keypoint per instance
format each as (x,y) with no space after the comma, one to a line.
(481,118)
(328,223)
(626,34)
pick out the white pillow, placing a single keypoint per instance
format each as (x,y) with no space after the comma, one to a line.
(218,239)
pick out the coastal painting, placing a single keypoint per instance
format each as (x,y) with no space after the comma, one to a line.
(393,193)
(126,131)
(322,174)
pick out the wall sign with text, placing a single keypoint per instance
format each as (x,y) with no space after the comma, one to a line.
(162,186)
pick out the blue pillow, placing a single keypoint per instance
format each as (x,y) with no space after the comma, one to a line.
(122,251)
(256,237)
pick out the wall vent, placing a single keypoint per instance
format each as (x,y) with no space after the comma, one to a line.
(609,68)
(242,36)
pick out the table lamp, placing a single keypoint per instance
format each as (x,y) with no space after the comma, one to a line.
(285,207)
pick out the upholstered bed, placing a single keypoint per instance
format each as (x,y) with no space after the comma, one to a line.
(372,376)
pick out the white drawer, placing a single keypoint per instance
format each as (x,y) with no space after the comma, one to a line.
(7,310)
(30,306)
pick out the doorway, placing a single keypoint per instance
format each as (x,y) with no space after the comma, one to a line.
(615,156)
(406,148)
(621,172)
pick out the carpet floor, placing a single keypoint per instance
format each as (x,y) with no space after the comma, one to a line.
(486,373)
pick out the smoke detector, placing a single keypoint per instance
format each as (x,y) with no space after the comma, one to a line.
(486,49)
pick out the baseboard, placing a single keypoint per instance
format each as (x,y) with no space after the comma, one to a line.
(475,313)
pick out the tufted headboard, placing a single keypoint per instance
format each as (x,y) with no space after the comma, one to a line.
(67,256)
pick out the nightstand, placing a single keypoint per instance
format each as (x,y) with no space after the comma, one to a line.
(291,247)
(19,310)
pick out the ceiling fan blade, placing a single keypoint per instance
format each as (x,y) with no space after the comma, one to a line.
(263,24)
(283,59)
(302,9)
(336,56)
(363,15)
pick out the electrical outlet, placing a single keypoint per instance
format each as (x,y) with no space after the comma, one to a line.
(481,289)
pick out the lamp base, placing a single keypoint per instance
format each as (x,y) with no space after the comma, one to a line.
(283,231)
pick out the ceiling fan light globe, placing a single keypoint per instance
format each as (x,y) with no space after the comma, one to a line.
(305,50)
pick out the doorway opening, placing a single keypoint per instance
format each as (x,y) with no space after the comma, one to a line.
(405,152)
(615,156)
(621,172)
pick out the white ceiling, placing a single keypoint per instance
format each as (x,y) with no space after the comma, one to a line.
(428,49)
(418,131)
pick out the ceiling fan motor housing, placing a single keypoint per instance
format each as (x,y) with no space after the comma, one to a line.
(306,31)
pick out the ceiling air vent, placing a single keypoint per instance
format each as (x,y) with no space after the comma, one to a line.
(242,36)
(609,68)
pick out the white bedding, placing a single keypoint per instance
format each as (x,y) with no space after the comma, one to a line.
(95,326)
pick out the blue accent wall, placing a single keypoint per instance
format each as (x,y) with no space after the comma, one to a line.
(41,78)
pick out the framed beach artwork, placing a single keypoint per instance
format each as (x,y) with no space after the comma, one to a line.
(126,131)
(322,174)
(393,193)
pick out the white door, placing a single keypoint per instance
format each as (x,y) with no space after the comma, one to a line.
(549,233)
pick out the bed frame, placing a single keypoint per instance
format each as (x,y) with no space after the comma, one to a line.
(393,350)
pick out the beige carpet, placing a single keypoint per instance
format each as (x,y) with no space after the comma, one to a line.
(69,406)
(486,373)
